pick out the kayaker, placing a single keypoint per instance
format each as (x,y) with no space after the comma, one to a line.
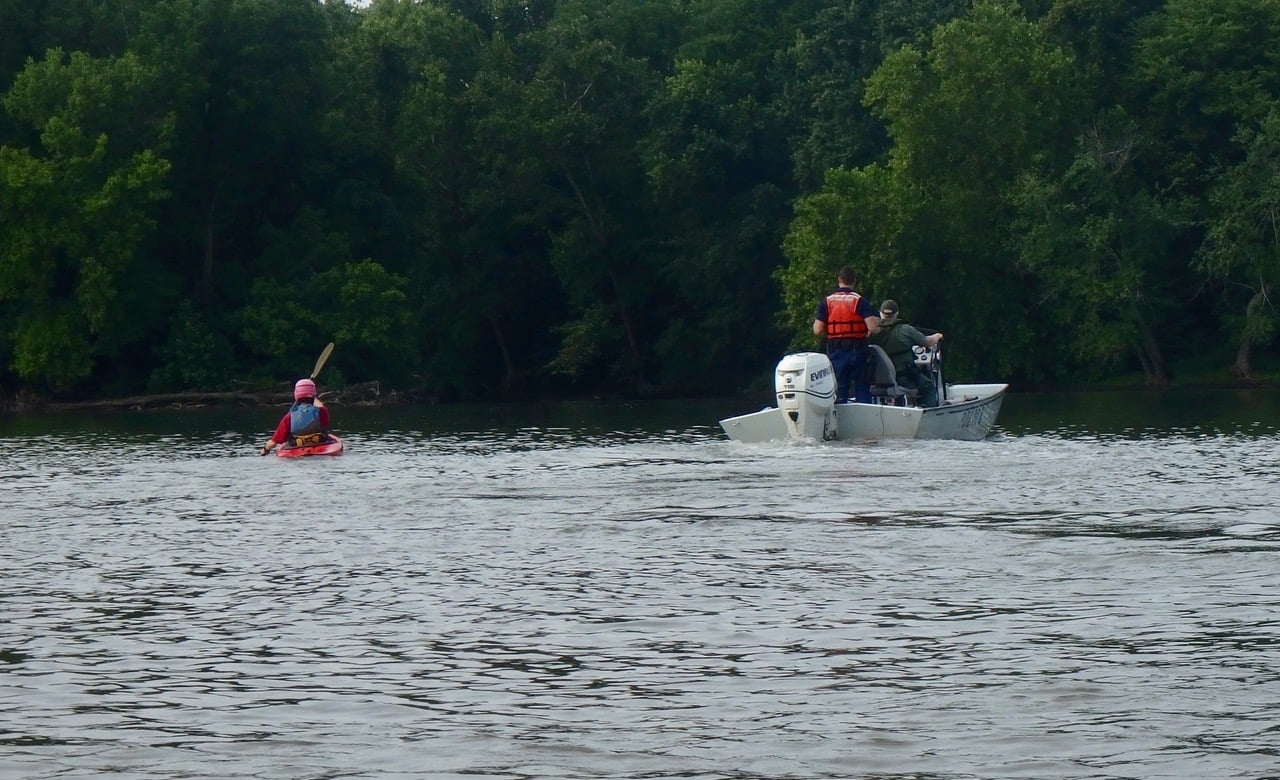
(897,338)
(306,422)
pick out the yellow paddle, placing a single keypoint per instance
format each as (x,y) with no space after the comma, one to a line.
(323,357)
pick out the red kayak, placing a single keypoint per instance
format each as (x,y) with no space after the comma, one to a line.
(331,447)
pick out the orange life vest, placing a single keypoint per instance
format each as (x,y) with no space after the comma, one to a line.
(843,319)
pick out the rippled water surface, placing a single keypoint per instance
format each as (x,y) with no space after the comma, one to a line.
(600,591)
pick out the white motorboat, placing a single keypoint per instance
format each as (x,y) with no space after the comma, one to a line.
(805,390)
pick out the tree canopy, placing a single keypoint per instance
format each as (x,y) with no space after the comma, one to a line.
(514,198)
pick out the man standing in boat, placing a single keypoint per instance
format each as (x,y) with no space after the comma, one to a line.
(846,319)
(897,338)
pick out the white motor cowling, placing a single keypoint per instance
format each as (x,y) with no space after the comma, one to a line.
(805,385)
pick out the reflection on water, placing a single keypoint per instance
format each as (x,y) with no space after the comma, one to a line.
(618,591)
(1144,413)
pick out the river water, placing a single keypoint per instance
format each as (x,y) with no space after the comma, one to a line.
(618,591)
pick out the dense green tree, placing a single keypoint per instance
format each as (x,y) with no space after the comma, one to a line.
(361,304)
(986,101)
(864,211)
(1242,246)
(1207,78)
(583,119)
(448,90)
(1099,246)
(248,91)
(74,210)
(1102,35)
(505,197)
(1201,69)
(720,166)
(834,53)
(193,355)
(28,28)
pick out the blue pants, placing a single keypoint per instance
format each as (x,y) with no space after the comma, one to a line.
(849,366)
(928,394)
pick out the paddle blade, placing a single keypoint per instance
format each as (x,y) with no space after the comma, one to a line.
(323,357)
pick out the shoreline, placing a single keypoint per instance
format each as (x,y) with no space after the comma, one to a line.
(363,394)
(372,394)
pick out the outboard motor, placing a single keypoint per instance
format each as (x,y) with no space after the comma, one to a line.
(805,385)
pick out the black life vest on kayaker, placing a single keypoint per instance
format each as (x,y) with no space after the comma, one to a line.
(304,419)
(843,319)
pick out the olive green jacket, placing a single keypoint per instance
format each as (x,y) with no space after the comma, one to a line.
(897,338)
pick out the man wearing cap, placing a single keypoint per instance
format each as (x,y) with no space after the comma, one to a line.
(897,338)
(845,318)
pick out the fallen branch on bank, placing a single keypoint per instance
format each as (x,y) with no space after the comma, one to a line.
(174,400)
(364,393)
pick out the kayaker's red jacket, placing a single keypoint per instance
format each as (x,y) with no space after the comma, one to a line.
(282,430)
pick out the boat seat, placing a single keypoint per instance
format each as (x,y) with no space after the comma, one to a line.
(884,380)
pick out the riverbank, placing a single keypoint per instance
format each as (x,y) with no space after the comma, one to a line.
(363,394)
(373,394)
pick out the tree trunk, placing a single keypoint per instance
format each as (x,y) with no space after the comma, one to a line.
(1241,368)
(595,220)
(207,267)
(508,364)
(1150,356)
(628,326)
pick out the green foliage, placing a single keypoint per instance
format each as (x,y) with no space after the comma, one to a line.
(1096,247)
(76,208)
(718,159)
(360,306)
(1242,242)
(50,347)
(508,197)
(850,222)
(925,228)
(369,306)
(193,357)
(585,341)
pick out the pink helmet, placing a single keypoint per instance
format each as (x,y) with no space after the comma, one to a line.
(304,388)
